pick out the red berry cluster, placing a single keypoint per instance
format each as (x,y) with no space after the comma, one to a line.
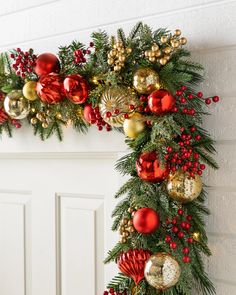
(3,116)
(24,61)
(97,119)
(16,123)
(117,112)
(185,158)
(79,55)
(183,98)
(179,228)
(113,292)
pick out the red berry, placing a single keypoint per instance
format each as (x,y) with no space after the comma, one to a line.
(126,116)
(111,290)
(198,137)
(189,217)
(117,111)
(190,240)
(185,250)
(169,149)
(180,212)
(199,94)
(183,88)
(190,96)
(184,111)
(173,245)
(183,224)
(179,93)
(108,114)
(175,229)
(215,98)
(12,55)
(195,164)
(191,112)
(174,109)
(180,234)
(202,166)
(207,101)
(186,259)
(187,226)
(182,100)
(100,128)
(131,107)
(105,293)
(174,221)
(199,172)
(91,44)
(168,221)
(168,239)
(108,128)
(143,98)
(196,156)
(146,109)
(18,49)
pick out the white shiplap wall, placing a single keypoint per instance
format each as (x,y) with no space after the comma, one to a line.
(210,27)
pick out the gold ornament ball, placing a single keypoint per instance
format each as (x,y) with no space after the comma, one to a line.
(146,81)
(164,39)
(163,61)
(45,125)
(116,97)
(33,121)
(183,188)
(178,32)
(155,47)
(162,271)
(183,41)
(16,105)
(29,90)
(134,125)
(128,50)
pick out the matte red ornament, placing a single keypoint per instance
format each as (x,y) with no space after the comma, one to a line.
(145,220)
(148,168)
(160,101)
(132,263)
(76,88)
(50,88)
(89,114)
(47,63)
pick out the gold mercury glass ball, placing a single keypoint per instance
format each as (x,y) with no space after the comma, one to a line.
(183,188)
(29,90)
(146,81)
(134,125)
(16,105)
(116,97)
(162,271)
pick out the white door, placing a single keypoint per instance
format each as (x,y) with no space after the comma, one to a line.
(55,212)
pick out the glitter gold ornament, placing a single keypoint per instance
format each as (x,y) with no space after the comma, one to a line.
(29,90)
(146,81)
(134,125)
(16,105)
(183,188)
(33,121)
(183,41)
(162,271)
(196,236)
(116,98)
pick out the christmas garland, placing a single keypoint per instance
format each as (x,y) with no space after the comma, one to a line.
(145,86)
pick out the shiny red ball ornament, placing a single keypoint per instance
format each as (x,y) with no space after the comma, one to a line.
(50,88)
(149,169)
(76,88)
(89,114)
(145,220)
(47,63)
(160,102)
(132,263)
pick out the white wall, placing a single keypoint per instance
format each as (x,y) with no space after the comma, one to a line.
(210,27)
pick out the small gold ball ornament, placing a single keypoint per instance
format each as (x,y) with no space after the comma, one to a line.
(178,32)
(134,125)
(29,90)
(16,105)
(183,188)
(164,39)
(146,81)
(162,271)
(113,98)
(183,41)
(33,121)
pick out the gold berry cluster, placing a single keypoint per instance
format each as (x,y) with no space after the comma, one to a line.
(44,117)
(169,43)
(126,226)
(117,56)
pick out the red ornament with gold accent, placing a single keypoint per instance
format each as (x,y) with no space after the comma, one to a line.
(47,63)
(89,114)
(76,88)
(160,101)
(50,88)
(146,220)
(149,169)
(132,263)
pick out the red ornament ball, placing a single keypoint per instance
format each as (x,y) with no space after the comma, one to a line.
(145,220)
(50,88)
(160,101)
(89,114)
(132,263)
(76,88)
(47,63)
(149,169)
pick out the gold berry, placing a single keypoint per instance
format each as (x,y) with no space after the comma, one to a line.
(33,121)
(177,32)
(183,41)
(163,61)
(164,39)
